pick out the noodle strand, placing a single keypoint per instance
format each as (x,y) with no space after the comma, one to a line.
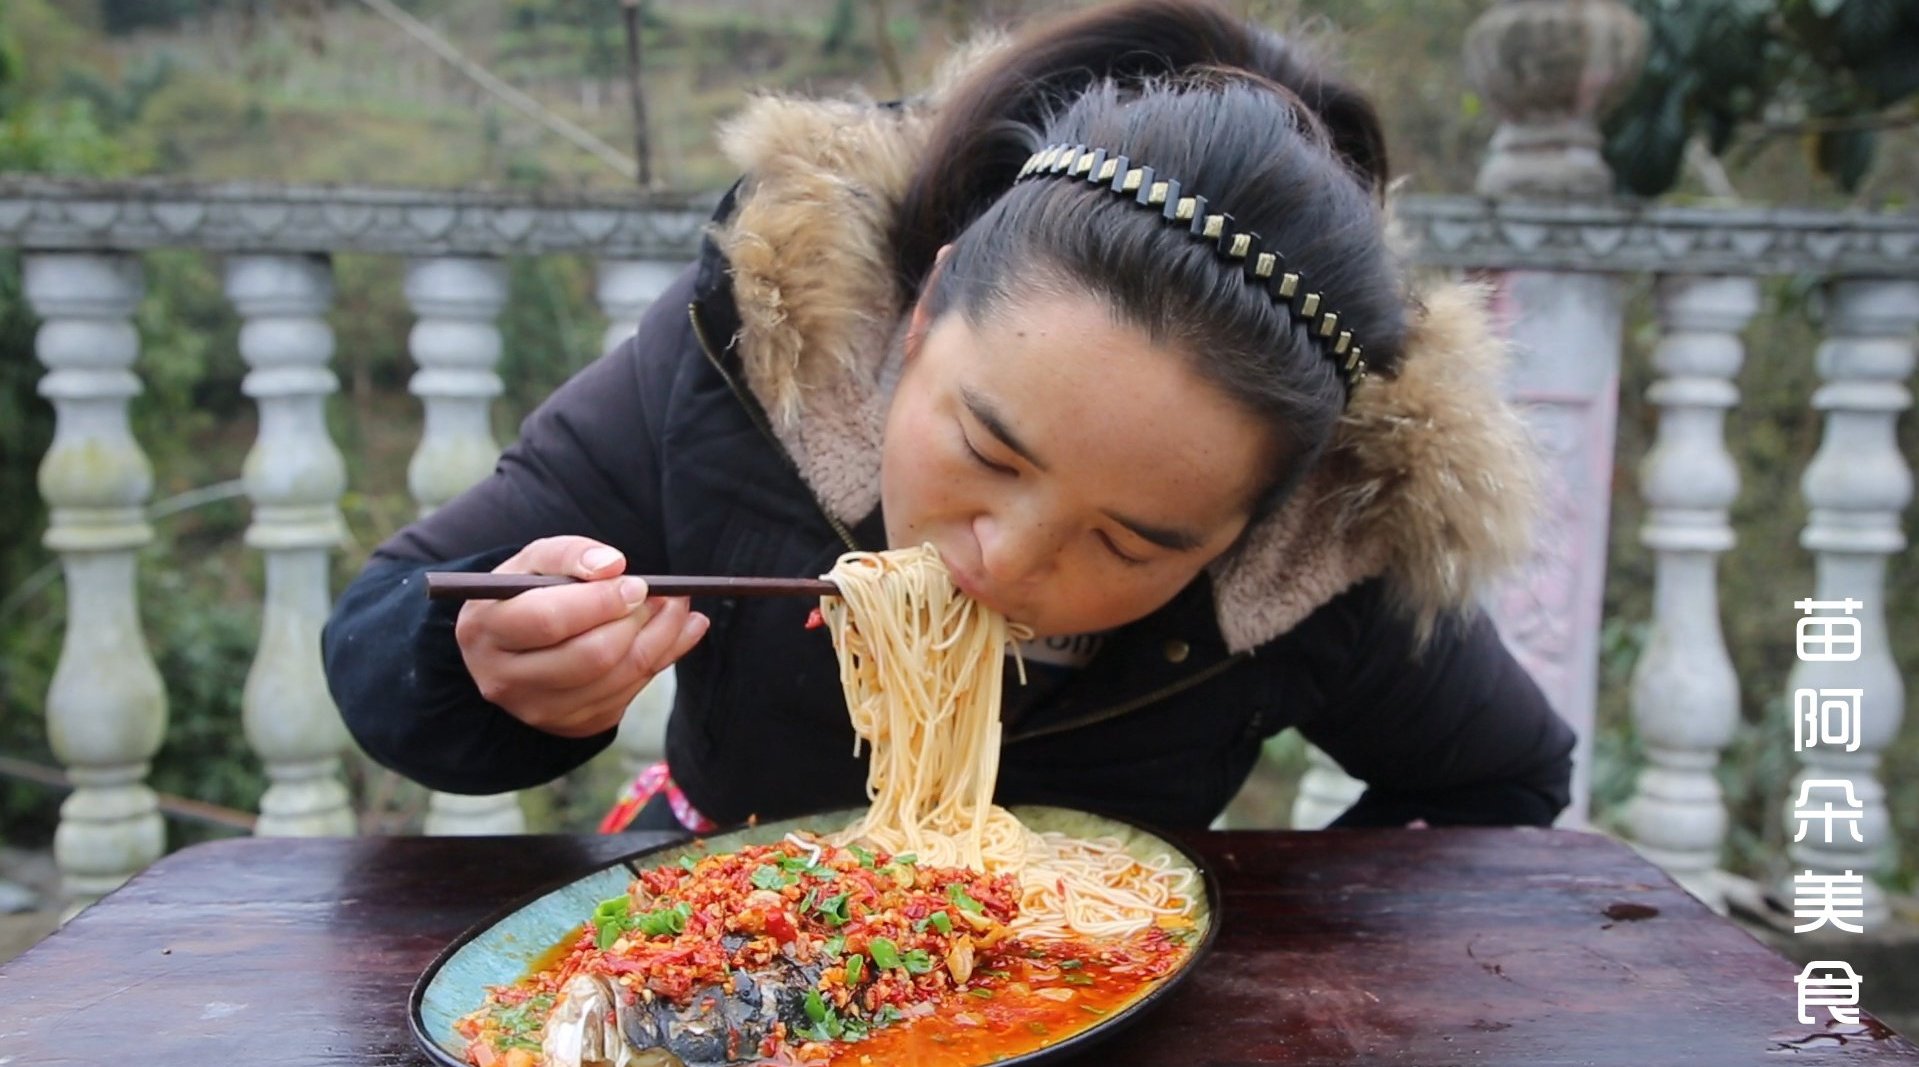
(921,665)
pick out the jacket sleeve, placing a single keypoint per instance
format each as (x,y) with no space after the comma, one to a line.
(585,463)
(1455,733)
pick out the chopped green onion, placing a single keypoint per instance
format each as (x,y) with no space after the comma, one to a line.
(687,862)
(1071,965)
(768,877)
(855,964)
(957,893)
(797,865)
(866,858)
(941,922)
(833,946)
(833,910)
(1078,979)
(983,994)
(612,911)
(665,922)
(608,933)
(906,859)
(815,1006)
(886,954)
(887,1014)
(916,961)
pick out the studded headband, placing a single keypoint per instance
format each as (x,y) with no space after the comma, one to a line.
(1265,269)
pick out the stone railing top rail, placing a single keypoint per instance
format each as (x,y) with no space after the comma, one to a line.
(50,214)
(1618,237)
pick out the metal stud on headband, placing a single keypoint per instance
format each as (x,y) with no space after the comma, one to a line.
(1265,269)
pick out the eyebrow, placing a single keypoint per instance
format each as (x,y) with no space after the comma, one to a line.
(1166,537)
(995,424)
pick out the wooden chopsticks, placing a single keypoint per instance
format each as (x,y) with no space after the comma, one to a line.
(460,585)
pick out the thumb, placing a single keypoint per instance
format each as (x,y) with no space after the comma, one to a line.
(578,557)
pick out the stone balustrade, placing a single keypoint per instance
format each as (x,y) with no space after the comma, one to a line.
(1556,269)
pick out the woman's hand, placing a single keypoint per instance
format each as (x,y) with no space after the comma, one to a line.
(568,659)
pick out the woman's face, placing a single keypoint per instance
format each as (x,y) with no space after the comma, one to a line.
(1072,474)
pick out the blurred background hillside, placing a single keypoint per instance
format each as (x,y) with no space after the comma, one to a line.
(335,92)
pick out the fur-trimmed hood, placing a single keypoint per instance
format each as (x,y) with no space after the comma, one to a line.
(1430,480)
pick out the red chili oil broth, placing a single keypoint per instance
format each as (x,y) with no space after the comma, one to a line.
(1008,1023)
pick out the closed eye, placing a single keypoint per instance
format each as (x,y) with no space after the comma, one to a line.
(1113,547)
(997,468)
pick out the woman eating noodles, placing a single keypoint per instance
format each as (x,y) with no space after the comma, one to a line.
(1110,319)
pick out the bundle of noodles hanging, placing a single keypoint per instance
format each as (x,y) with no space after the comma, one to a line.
(922,667)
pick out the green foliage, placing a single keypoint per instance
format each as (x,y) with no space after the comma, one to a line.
(1617,758)
(552,331)
(30,632)
(203,643)
(841,27)
(1714,68)
(63,137)
(26,428)
(122,17)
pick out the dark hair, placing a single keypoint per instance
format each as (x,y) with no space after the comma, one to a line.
(1236,115)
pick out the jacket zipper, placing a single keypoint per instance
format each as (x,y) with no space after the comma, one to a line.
(759,422)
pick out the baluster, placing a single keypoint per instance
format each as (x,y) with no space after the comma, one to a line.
(1857,484)
(642,737)
(627,287)
(456,345)
(1685,695)
(106,706)
(1325,791)
(294,476)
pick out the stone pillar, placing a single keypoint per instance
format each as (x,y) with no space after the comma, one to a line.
(456,345)
(294,476)
(1685,694)
(106,707)
(1857,484)
(642,737)
(1325,792)
(627,287)
(1549,69)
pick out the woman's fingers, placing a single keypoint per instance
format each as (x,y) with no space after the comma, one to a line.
(546,618)
(599,705)
(568,659)
(582,685)
(601,653)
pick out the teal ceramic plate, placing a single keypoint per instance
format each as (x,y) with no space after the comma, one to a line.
(503,948)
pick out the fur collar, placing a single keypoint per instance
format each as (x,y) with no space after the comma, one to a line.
(1430,481)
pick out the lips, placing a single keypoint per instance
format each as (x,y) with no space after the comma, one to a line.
(966,582)
(964,579)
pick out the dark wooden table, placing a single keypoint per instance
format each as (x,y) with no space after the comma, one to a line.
(1430,947)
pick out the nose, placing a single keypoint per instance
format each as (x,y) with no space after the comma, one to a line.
(1015,550)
